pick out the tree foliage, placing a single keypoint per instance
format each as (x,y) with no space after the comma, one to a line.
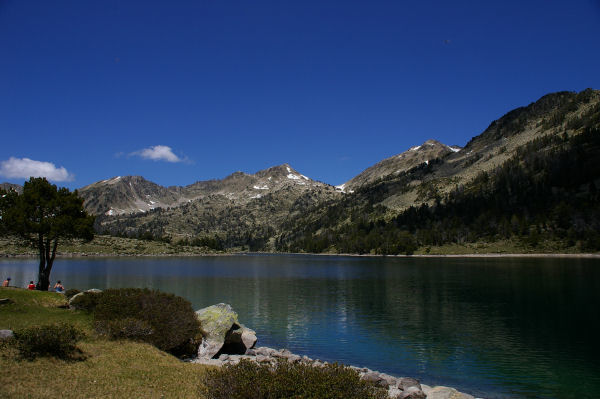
(43,215)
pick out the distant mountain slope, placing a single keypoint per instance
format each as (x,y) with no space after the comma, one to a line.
(125,195)
(532,176)
(239,210)
(134,194)
(551,114)
(10,186)
(431,149)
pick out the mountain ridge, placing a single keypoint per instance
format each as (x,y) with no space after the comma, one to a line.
(131,194)
(278,208)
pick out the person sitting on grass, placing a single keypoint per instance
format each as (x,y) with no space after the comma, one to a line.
(31,286)
(6,282)
(58,287)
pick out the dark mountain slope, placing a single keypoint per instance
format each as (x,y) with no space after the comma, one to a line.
(545,190)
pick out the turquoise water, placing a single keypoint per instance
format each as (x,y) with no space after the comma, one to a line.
(496,327)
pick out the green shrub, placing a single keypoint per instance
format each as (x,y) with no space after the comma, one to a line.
(287,380)
(127,328)
(71,292)
(54,340)
(87,301)
(165,320)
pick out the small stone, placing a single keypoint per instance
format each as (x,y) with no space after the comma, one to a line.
(264,351)
(412,393)
(6,301)
(390,380)
(208,362)
(224,357)
(6,334)
(371,376)
(406,382)
(425,388)
(394,393)
(262,359)
(251,352)
(442,392)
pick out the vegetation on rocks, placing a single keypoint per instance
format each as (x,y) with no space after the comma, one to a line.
(287,380)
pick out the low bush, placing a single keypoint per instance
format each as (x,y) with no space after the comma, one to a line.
(127,328)
(86,301)
(287,380)
(54,340)
(165,320)
(71,292)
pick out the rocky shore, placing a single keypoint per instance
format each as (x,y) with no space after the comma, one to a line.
(398,387)
(226,341)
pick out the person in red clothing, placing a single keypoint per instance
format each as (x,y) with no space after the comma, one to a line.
(31,286)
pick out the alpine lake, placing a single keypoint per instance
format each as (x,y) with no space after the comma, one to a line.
(492,327)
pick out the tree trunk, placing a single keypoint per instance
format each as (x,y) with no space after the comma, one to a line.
(43,279)
(46,261)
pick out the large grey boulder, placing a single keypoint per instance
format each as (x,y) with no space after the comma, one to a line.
(222,332)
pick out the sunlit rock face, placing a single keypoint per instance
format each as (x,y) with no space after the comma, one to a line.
(222,332)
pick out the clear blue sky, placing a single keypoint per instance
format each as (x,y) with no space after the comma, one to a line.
(95,89)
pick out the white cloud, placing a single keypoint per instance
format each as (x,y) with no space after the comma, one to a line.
(158,153)
(26,168)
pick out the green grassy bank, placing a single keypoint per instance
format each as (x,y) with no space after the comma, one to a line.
(107,369)
(103,245)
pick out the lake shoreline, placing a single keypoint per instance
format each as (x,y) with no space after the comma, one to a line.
(397,387)
(202,255)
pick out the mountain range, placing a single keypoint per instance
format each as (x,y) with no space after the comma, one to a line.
(279,209)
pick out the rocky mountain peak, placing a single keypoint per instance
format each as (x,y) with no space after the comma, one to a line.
(430,146)
(10,186)
(284,171)
(414,156)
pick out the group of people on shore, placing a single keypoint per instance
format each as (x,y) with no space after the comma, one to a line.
(58,287)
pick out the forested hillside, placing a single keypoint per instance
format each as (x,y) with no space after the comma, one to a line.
(547,191)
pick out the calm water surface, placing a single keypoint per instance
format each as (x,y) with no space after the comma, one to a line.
(524,328)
